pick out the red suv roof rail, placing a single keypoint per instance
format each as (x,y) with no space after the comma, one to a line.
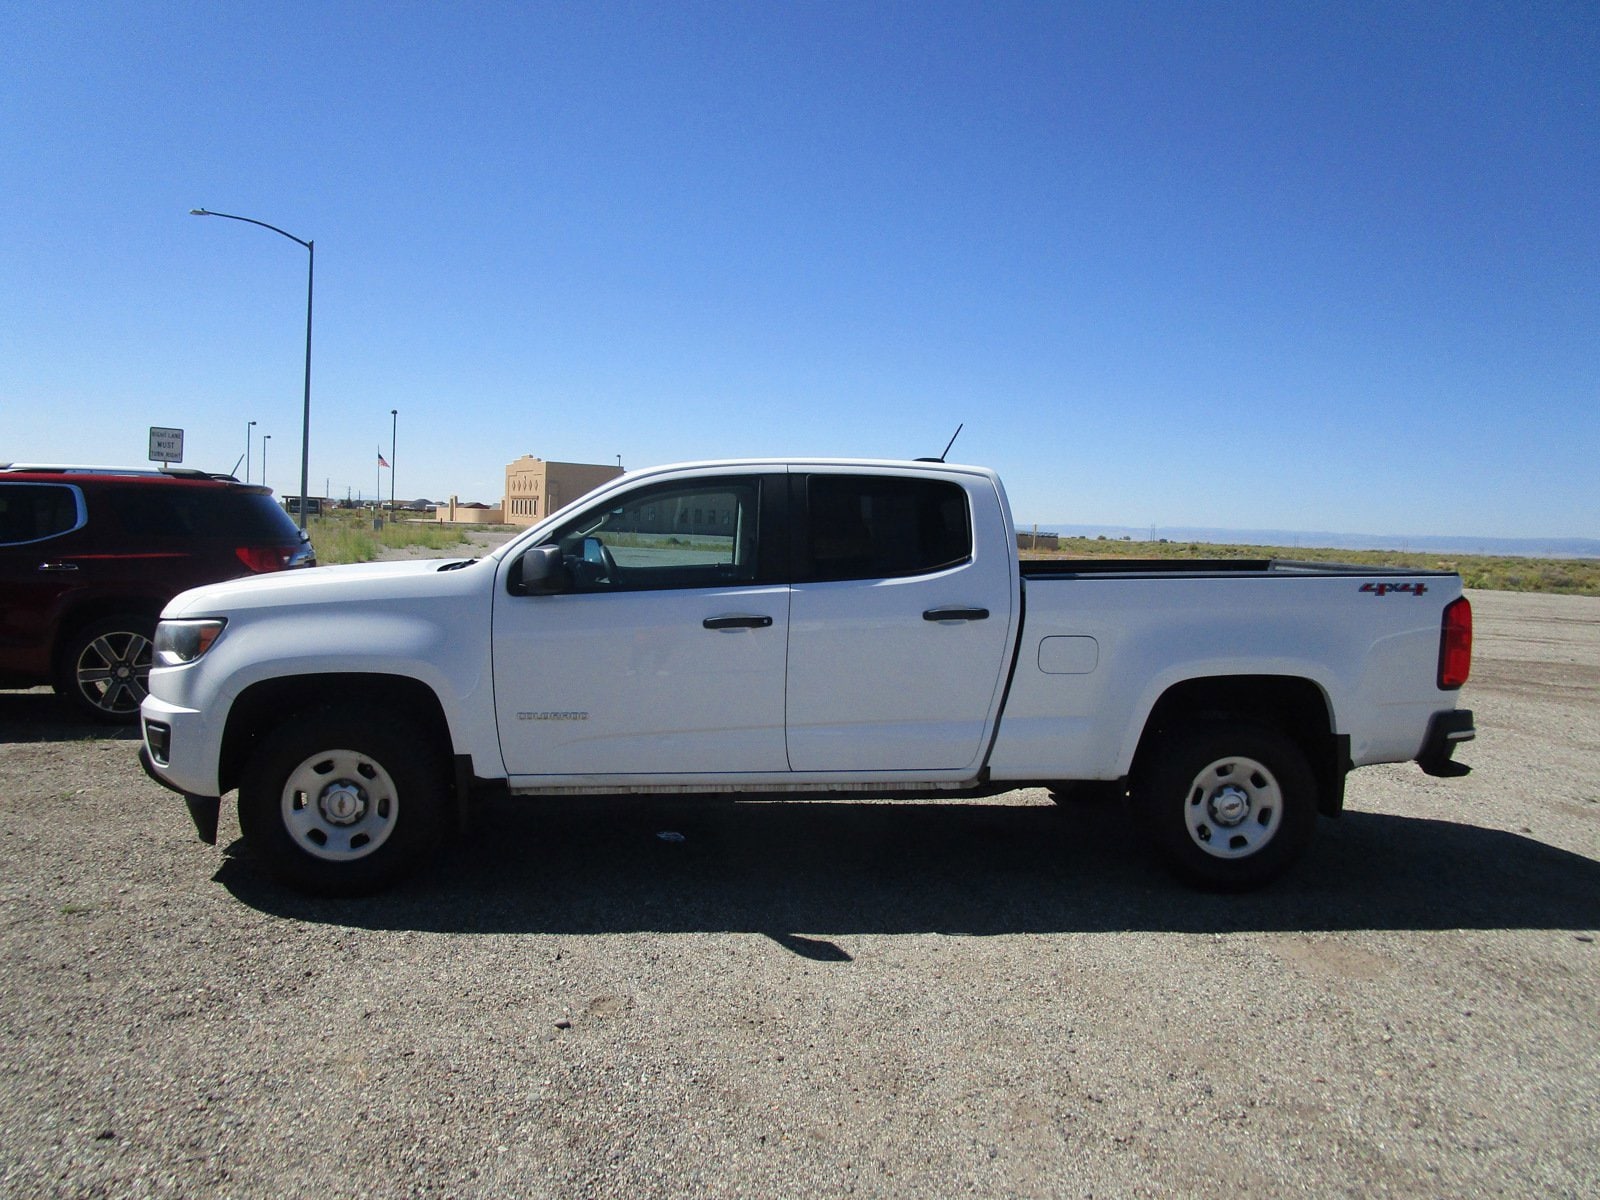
(70,469)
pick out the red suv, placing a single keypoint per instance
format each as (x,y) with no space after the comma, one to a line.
(88,557)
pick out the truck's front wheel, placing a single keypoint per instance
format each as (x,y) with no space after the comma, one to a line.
(342,805)
(1227,807)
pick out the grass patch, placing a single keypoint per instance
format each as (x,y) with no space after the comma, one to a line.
(1563,576)
(347,536)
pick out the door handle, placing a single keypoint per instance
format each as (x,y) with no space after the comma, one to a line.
(751,622)
(58,566)
(956,614)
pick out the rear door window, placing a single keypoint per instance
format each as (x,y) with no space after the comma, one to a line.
(882,527)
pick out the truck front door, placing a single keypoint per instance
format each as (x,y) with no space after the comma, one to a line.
(659,649)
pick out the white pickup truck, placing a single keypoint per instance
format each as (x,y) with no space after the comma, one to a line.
(797,626)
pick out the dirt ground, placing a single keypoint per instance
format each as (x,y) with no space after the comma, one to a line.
(995,998)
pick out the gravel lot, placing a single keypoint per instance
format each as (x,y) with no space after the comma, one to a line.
(997,998)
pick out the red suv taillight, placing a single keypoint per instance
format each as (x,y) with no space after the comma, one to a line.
(265,558)
(1455,645)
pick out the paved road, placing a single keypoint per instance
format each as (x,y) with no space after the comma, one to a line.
(996,998)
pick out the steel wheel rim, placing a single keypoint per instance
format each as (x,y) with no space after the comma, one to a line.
(339,805)
(113,672)
(1233,808)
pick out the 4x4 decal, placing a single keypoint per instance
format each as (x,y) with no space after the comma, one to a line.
(1383,589)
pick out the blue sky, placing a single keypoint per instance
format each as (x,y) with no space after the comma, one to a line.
(1322,267)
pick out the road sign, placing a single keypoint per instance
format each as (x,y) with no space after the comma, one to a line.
(166,445)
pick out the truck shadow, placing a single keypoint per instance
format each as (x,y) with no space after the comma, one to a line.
(977,868)
(39,716)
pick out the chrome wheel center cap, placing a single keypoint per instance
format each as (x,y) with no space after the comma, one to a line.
(343,803)
(1229,806)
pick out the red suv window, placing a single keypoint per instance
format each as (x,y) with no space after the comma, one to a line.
(206,512)
(31,512)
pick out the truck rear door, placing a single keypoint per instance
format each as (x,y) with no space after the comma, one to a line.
(900,623)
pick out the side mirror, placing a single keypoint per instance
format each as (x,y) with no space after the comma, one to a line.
(540,571)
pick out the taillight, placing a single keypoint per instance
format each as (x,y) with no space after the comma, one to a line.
(1455,645)
(264,558)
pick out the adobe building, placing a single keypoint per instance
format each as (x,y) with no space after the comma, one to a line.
(470,513)
(535,488)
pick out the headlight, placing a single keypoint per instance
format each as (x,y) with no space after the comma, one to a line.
(179,642)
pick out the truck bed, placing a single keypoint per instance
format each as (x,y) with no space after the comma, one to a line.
(1190,568)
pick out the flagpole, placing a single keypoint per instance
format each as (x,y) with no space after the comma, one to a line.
(377,521)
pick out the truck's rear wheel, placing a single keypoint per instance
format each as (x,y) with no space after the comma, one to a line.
(342,805)
(1227,807)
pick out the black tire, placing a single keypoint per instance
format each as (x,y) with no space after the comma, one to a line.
(343,805)
(103,669)
(1227,808)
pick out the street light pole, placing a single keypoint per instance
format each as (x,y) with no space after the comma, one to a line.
(394,424)
(247,430)
(305,423)
(265,438)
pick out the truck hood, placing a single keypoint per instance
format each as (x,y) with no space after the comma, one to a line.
(363,583)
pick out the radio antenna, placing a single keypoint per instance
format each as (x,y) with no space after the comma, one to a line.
(947,445)
(952,441)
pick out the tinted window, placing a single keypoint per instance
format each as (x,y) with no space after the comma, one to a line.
(200,512)
(667,537)
(31,512)
(873,527)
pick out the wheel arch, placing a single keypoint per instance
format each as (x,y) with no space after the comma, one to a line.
(264,705)
(1293,706)
(78,613)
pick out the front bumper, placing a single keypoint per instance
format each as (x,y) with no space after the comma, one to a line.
(1446,731)
(167,730)
(204,811)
